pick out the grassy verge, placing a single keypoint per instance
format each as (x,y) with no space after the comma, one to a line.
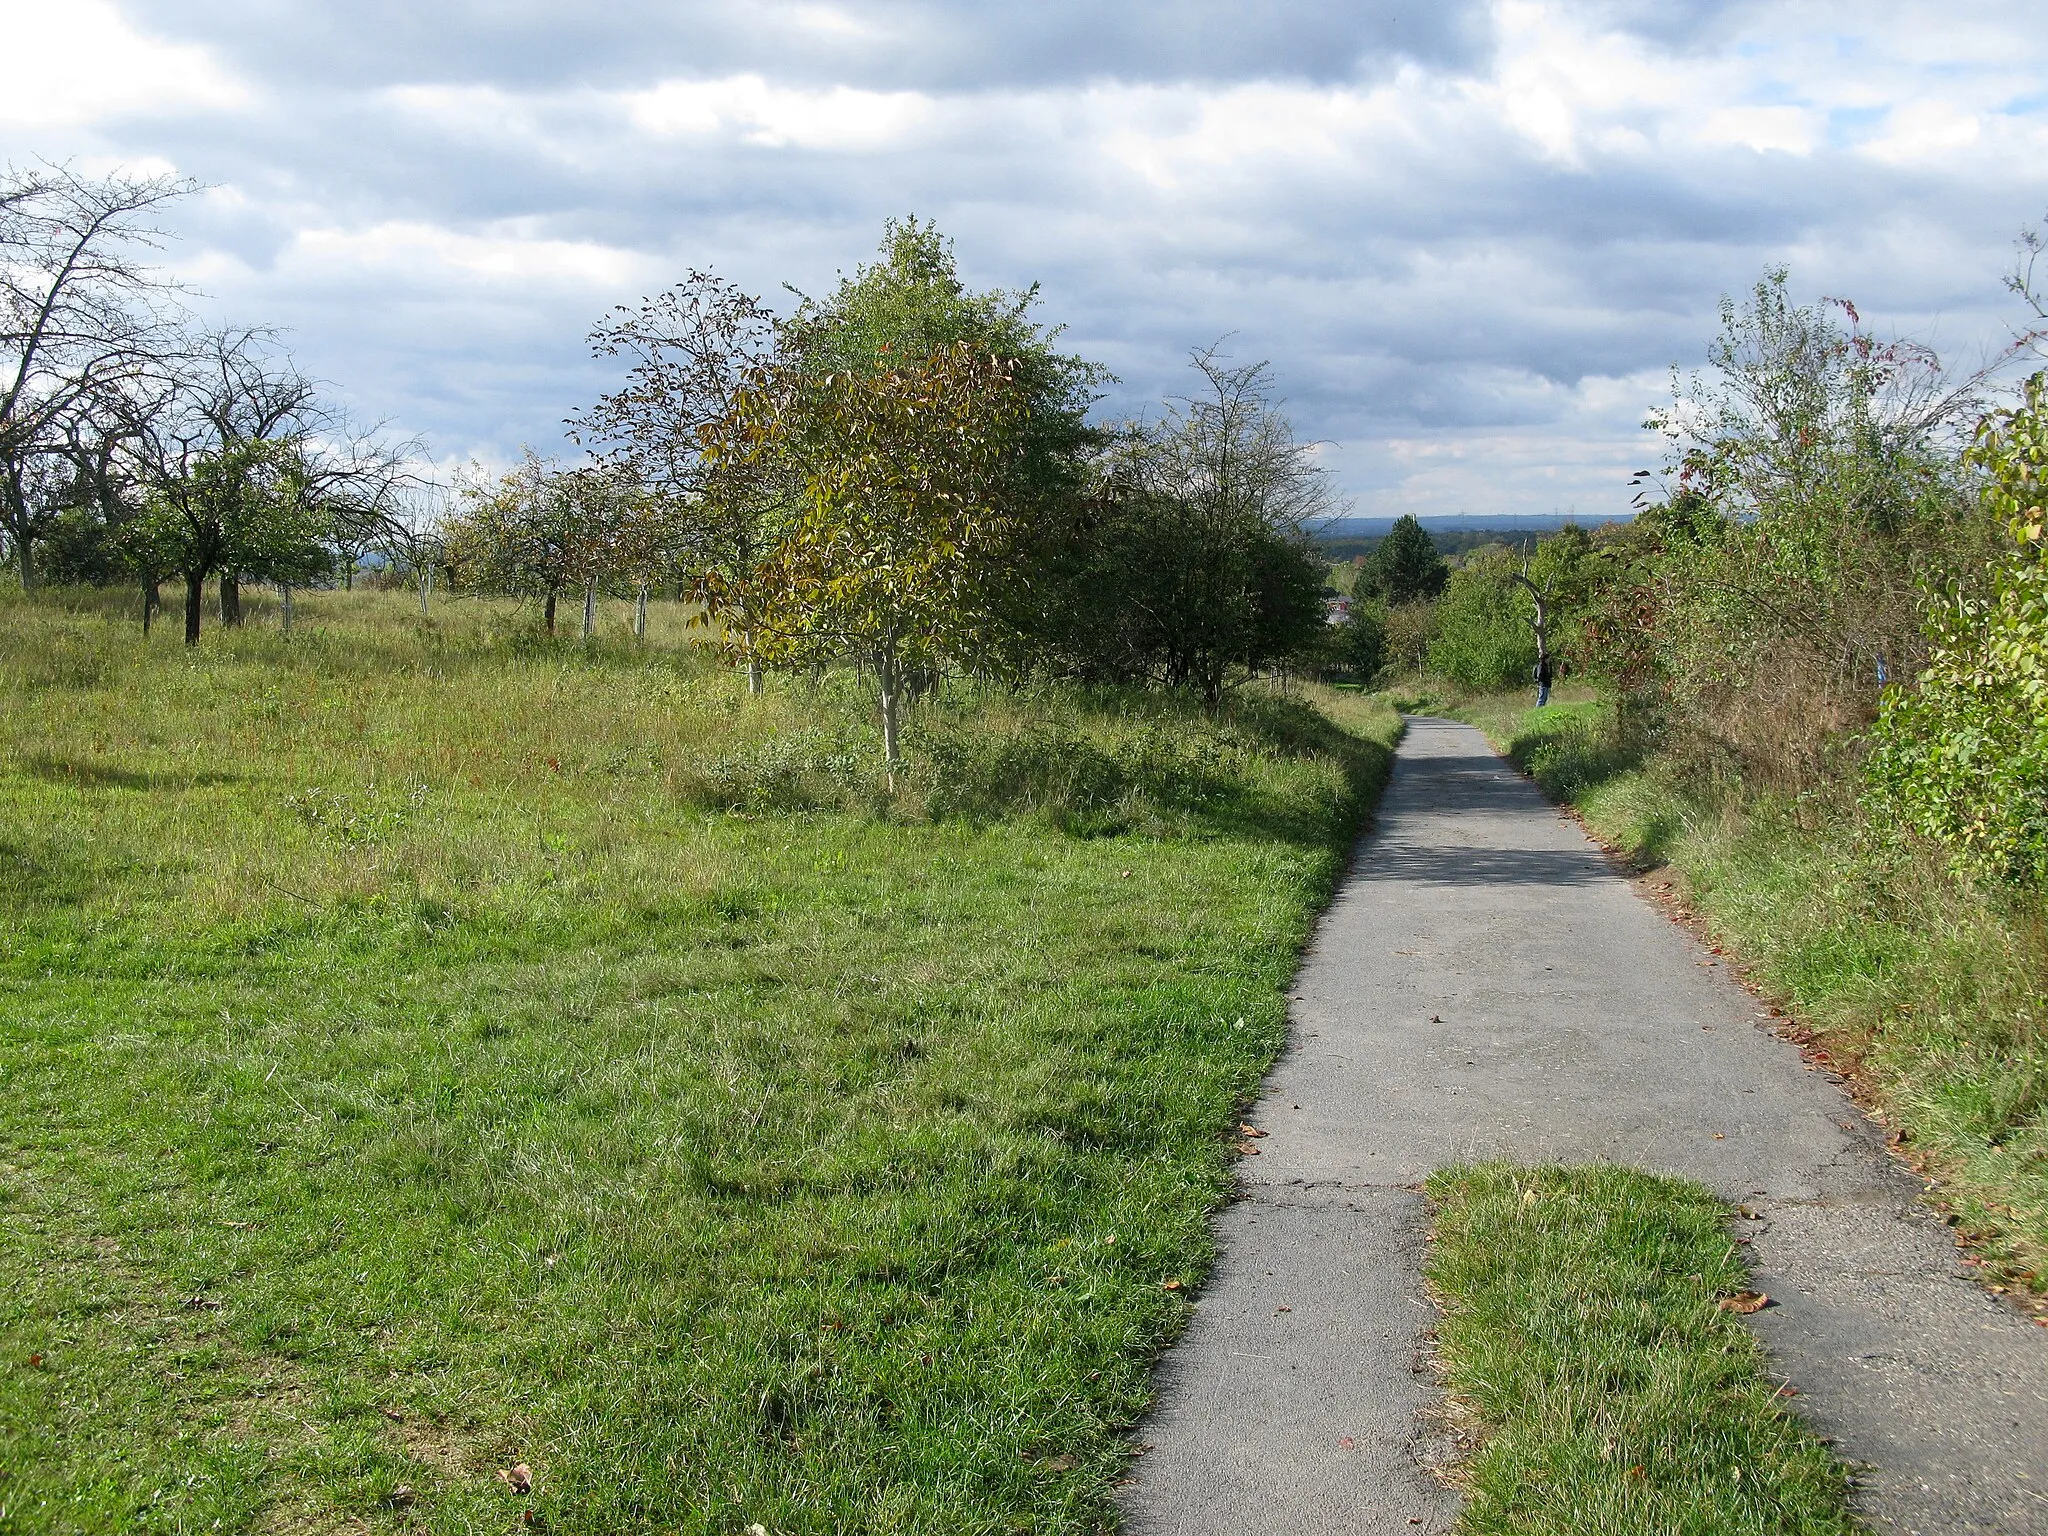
(1928,995)
(434,1059)
(1609,1393)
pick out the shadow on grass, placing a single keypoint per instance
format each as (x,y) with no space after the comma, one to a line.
(36,879)
(59,770)
(1094,762)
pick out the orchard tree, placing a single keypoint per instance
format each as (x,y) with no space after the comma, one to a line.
(241,468)
(219,450)
(911,303)
(893,548)
(540,529)
(1194,559)
(708,512)
(77,319)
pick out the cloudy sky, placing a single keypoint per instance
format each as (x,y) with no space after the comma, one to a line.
(1471,238)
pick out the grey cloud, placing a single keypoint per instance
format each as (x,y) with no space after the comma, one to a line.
(926,44)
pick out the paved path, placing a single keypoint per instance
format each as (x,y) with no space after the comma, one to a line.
(1576,1024)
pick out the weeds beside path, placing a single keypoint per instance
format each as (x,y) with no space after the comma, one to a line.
(429,1056)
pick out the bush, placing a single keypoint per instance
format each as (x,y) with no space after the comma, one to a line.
(1483,639)
(1411,627)
(1360,642)
(1963,757)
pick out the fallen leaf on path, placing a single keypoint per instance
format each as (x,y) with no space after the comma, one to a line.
(1251,1131)
(1170,1285)
(519,1478)
(1247,1149)
(1278,1310)
(1742,1303)
(1347,1443)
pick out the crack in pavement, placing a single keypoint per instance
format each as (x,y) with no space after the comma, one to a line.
(1488,984)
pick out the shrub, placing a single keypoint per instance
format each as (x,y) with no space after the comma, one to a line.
(1962,757)
(1361,640)
(1483,639)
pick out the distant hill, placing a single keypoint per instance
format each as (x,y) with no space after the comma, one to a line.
(1344,537)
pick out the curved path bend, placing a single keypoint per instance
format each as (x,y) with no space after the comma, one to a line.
(1486,985)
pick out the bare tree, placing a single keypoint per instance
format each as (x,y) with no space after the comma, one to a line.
(78,316)
(693,351)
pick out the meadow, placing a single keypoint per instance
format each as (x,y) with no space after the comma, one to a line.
(454,1079)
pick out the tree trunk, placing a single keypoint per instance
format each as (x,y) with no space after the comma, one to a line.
(754,675)
(195,599)
(890,679)
(548,612)
(589,608)
(231,600)
(1541,625)
(348,577)
(24,554)
(426,588)
(640,613)
(152,599)
(284,607)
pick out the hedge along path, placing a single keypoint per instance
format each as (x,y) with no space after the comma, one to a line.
(1488,986)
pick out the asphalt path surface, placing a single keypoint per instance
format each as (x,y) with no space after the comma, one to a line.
(1487,985)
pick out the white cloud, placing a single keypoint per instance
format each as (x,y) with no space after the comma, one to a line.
(78,62)
(840,120)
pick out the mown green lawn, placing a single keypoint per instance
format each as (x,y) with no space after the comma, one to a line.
(429,1052)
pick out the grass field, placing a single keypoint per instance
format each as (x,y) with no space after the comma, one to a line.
(434,1058)
(1934,995)
(1605,1388)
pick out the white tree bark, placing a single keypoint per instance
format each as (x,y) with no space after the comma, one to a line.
(640,613)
